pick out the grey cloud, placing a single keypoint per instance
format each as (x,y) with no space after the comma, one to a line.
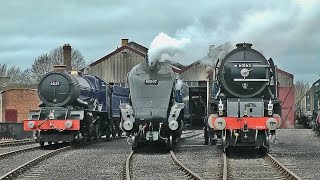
(286,30)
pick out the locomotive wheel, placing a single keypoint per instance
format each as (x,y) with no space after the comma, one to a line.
(224,142)
(134,145)
(206,137)
(108,134)
(266,144)
(169,143)
(98,133)
(41,144)
(119,132)
(213,141)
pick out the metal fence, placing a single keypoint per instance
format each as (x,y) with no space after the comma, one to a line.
(13,131)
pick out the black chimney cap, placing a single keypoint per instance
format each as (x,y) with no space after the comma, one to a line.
(244,45)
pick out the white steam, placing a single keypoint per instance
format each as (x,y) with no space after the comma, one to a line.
(164,47)
(179,84)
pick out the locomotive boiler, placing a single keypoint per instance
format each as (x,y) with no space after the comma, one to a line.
(73,108)
(155,111)
(243,108)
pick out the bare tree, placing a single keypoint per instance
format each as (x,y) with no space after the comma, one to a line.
(41,65)
(77,60)
(44,63)
(301,88)
(11,77)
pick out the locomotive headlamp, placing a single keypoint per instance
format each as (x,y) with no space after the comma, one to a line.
(31,124)
(210,121)
(127,125)
(220,105)
(51,115)
(219,123)
(270,108)
(220,108)
(173,125)
(272,124)
(68,124)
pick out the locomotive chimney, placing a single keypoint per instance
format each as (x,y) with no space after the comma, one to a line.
(124,42)
(59,68)
(211,50)
(244,45)
(67,56)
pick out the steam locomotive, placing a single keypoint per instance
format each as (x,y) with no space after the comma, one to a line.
(74,108)
(155,110)
(243,108)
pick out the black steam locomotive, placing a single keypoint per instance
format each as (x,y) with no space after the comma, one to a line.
(243,105)
(155,111)
(73,108)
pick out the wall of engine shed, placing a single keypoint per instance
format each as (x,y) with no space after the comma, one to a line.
(115,68)
(286,94)
(16,103)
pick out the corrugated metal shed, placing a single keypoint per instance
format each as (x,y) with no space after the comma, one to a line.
(197,70)
(114,67)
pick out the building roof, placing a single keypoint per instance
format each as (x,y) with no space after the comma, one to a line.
(18,89)
(285,73)
(132,43)
(117,51)
(189,67)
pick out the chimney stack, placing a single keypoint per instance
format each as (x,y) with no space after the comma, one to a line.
(124,42)
(59,68)
(67,56)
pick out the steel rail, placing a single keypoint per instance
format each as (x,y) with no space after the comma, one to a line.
(284,170)
(33,162)
(16,142)
(127,171)
(18,152)
(190,173)
(225,167)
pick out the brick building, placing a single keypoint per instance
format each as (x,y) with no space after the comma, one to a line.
(16,103)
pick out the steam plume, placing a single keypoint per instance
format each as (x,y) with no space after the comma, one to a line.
(164,47)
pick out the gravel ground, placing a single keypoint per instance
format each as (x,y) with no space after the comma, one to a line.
(298,150)
(201,159)
(14,148)
(9,163)
(97,161)
(155,166)
(245,163)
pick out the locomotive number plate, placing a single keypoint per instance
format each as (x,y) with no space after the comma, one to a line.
(243,65)
(54,83)
(151,82)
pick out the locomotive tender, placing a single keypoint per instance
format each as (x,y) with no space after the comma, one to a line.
(155,109)
(73,108)
(243,108)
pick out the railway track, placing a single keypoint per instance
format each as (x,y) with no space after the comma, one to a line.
(16,142)
(163,166)
(16,162)
(158,165)
(255,167)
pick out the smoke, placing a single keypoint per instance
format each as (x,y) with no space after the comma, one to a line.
(286,31)
(179,84)
(164,47)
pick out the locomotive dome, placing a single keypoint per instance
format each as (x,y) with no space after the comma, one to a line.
(244,72)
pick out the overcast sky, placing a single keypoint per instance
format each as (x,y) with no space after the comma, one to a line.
(287,31)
